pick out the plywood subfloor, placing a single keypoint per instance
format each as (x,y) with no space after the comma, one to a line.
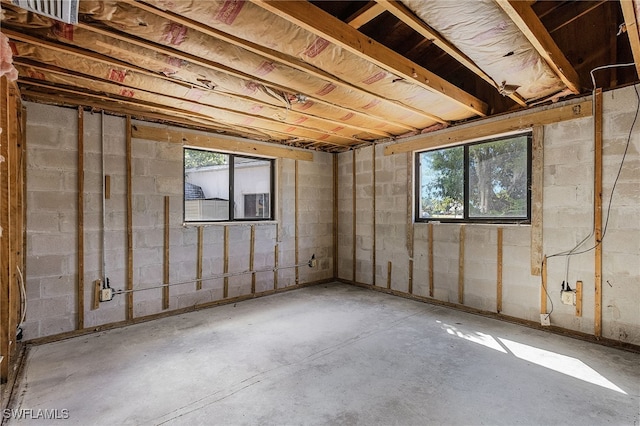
(329,354)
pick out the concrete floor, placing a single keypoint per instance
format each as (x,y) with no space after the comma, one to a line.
(330,354)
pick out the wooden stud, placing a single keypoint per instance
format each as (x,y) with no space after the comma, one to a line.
(461,266)
(629,13)
(295,221)
(275,267)
(107,187)
(410,287)
(80,219)
(252,247)
(410,227)
(129,284)
(354,217)
(96,294)
(165,289)
(335,216)
(389,266)
(199,258)
(373,212)
(597,214)
(543,289)
(537,188)
(225,290)
(499,273)
(578,298)
(513,122)
(430,259)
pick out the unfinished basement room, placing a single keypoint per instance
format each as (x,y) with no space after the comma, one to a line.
(271,212)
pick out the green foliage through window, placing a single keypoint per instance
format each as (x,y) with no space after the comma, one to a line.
(480,181)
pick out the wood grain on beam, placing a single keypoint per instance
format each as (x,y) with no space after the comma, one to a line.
(162,134)
(512,122)
(630,21)
(528,22)
(365,14)
(315,20)
(404,14)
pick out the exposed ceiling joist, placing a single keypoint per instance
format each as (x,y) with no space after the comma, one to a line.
(528,22)
(630,21)
(315,20)
(401,12)
(365,14)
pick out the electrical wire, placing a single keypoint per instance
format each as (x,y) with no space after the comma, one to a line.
(575,250)
(23,295)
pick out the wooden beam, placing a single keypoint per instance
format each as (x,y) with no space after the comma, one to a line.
(223,143)
(631,22)
(199,257)
(430,259)
(322,24)
(270,54)
(252,248)
(543,287)
(107,187)
(296,212)
(537,189)
(80,219)
(275,267)
(409,215)
(403,13)
(165,289)
(6,333)
(490,127)
(225,290)
(354,218)
(461,265)
(373,211)
(499,273)
(335,216)
(129,284)
(389,267)
(96,294)
(579,298)
(597,214)
(528,22)
(365,14)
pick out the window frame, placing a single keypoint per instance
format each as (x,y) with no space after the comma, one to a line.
(231,176)
(466,183)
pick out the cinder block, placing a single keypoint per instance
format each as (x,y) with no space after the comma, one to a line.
(44,266)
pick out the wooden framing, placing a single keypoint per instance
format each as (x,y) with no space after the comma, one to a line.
(296,211)
(630,20)
(335,216)
(365,14)
(162,134)
(499,271)
(543,287)
(578,298)
(165,289)
(373,212)
(225,289)
(537,189)
(528,22)
(252,248)
(129,284)
(199,257)
(597,213)
(354,221)
(493,126)
(461,265)
(320,23)
(389,267)
(400,11)
(80,220)
(431,285)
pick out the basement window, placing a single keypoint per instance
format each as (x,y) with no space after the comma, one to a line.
(222,187)
(483,181)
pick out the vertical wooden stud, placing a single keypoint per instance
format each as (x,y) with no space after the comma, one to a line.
(296,230)
(129,285)
(107,187)
(373,212)
(578,298)
(80,219)
(354,221)
(461,266)
(389,266)
(252,247)
(335,216)
(537,188)
(165,289)
(225,290)
(597,215)
(499,273)
(410,288)
(199,259)
(410,227)
(430,259)
(543,289)
(275,267)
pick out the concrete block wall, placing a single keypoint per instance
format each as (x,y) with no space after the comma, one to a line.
(52,227)
(567,219)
